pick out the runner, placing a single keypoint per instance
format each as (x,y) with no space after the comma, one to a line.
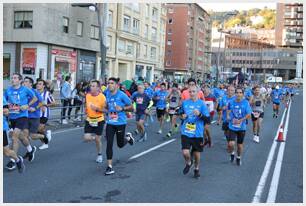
(258,103)
(161,103)
(17,97)
(185,93)
(210,101)
(142,108)
(95,103)
(148,91)
(238,112)
(194,114)
(117,104)
(48,101)
(219,93)
(174,99)
(276,96)
(6,150)
(34,116)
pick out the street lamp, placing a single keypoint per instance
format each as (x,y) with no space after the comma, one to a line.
(102,31)
(222,27)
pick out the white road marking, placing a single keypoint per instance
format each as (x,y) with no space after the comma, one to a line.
(213,121)
(278,166)
(151,149)
(265,173)
(67,130)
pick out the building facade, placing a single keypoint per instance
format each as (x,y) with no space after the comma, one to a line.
(188,39)
(289,25)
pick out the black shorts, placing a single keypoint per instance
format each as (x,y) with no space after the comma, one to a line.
(43,120)
(20,123)
(172,108)
(98,130)
(160,112)
(236,134)
(219,109)
(260,116)
(5,140)
(225,126)
(292,95)
(196,143)
(33,124)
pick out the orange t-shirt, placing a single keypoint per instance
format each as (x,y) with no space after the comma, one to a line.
(185,95)
(99,101)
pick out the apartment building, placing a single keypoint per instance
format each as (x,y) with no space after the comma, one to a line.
(188,38)
(289,25)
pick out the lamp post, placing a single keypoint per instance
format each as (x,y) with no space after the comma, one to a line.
(102,31)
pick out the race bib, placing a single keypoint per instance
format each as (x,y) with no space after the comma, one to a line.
(93,122)
(190,128)
(258,103)
(171,111)
(139,100)
(113,116)
(237,125)
(173,99)
(256,114)
(14,108)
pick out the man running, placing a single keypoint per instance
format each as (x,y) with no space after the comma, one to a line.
(210,101)
(48,101)
(17,97)
(276,96)
(117,104)
(257,103)
(161,102)
(194,114)
(6,150)
(95,103)
(142,109)
(219,93)
(238,112)
(148,91)
(174,99)
(34,116)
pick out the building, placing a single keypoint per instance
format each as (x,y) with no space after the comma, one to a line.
(135,40)
(274,61)
(188,39)
(235,41)
(289,25)
(55,40)
(63,42)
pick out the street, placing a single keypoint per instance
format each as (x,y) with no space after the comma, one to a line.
(67,171)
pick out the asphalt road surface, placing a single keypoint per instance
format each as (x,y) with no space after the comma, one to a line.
(67,171)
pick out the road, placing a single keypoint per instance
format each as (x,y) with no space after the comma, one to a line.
(67,171)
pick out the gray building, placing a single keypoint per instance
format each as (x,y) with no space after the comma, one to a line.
(275,61)
(50,41)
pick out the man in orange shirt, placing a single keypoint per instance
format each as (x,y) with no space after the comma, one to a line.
(185,94)
(95,103)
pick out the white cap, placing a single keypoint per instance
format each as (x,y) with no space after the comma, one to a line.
(277,87)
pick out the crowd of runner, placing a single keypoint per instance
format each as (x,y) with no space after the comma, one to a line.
(189,109)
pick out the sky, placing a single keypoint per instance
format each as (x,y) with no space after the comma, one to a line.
(235,6)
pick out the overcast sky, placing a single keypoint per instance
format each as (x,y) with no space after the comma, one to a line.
(238,6)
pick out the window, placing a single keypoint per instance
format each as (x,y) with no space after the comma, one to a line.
(168,63)
(79,28)
(94,32)
(110,19)
(65,24)
(169,42)
(147,10)
(169,52)
(109,43)
(170,21)
(170,10)
(121,46)
(154,34)
(130,49)
(23,19)
(146,31)
(154,14)
(169,31)
(126,23)
(153,52)
(135,26)
(145,51)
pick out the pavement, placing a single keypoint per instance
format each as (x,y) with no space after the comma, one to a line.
(151,171)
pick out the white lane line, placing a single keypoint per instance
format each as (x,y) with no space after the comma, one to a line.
(278,166)
(150,150)
(265,173)
(213,121)
(67,130)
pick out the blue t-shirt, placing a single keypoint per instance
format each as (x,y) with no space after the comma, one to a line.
(36,113)
(224,102)
(17,98)
(142,102)
(5,123)
(276,95)
(238,111)
(161,103)
(193,126)
(149,91)
(248,93)
(115,117)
